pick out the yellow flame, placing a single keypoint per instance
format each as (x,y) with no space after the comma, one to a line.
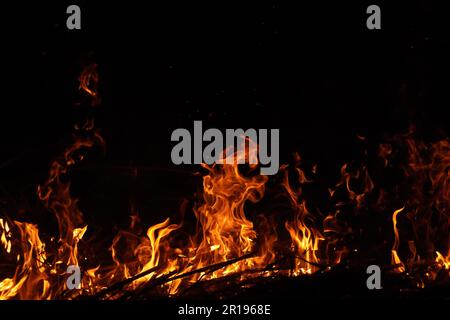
(305,239)
(5,237)
(395,259)
(444,261)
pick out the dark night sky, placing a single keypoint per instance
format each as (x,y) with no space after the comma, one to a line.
(312,70)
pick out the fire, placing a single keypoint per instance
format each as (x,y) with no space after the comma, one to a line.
(444,261)
(225,233)
(427,174)
(89,80)
(30,279)
(6,242)
(395,258)
(225,230)
(233,240)
(305,239)
(152,250)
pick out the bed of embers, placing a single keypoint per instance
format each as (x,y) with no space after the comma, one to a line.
(295,234)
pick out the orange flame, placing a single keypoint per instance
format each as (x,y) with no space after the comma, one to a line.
(400,267)
(305,239)
(228,235)
(89,83)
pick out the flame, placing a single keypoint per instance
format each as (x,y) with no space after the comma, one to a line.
(231,239)
(225,230)
(5,237)
(224,233)
(89,79)
(152,250)
(305,239)
(77,235)
(305,242)
(30,280)
(395,260)
(444,261)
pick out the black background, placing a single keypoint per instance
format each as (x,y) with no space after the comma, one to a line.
(311,69)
